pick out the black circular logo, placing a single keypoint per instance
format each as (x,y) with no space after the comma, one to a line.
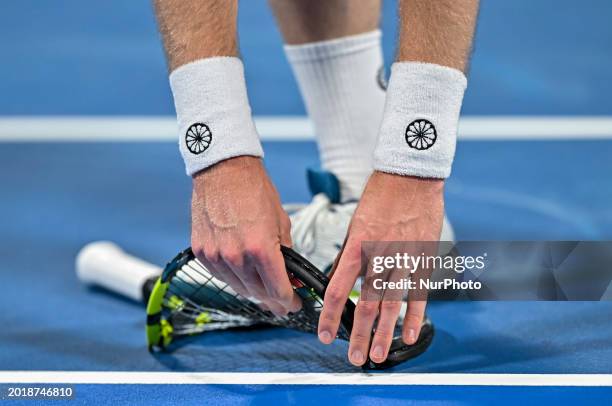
(198,138)
(421,134)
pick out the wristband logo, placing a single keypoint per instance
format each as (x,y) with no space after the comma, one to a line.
(421,134)
(198,138)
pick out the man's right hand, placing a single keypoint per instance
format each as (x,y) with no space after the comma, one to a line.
(237,227)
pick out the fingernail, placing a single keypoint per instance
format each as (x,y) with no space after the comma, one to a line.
(357,357)
(411,336)
(378,352)
(325,336)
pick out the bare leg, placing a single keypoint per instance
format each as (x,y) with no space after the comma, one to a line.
(335,51)
(304,21)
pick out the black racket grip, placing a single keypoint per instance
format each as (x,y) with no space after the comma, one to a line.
(147,288)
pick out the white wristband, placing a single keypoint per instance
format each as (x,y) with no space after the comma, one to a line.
(213,112)
(418,132)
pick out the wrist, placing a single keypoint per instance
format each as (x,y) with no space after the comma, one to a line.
(239,165)
(406,185)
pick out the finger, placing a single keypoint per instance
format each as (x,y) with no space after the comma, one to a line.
(209,257)
(270,267)
(250,278)
(365,314)
(338,291)
(242,277)
(263,298)
(385,329)
(224,275)
(211,261)
(274,307)
(282,309)
(413,321)
(236,274)
(256,290)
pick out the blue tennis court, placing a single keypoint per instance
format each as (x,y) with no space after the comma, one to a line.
(102,61)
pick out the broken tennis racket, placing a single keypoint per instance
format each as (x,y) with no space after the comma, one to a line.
(186,300)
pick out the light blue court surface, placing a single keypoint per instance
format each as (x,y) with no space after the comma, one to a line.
(103,58)
(545,57)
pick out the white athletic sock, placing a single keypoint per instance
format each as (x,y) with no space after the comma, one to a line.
(340,82)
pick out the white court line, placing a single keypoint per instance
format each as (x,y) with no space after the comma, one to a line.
(286,128)
(239,378)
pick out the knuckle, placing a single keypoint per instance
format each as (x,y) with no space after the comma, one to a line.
(255,249)
(282,295)
(198,250)
(285,296)
(390,306)
(328,318)
(413,319)
(360,337)
(334,297)
(328,321)
(384,334)
(367,309)
(211,253)
(232,257)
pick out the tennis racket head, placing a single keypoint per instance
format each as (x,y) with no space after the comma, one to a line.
(188,300)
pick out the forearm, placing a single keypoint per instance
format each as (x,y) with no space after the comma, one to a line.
(439,31)
(238,223)
(207,81)
(196,29)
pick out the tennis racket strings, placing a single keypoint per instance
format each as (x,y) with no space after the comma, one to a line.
(189,300)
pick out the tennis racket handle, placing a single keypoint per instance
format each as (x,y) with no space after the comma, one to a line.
(105,264)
